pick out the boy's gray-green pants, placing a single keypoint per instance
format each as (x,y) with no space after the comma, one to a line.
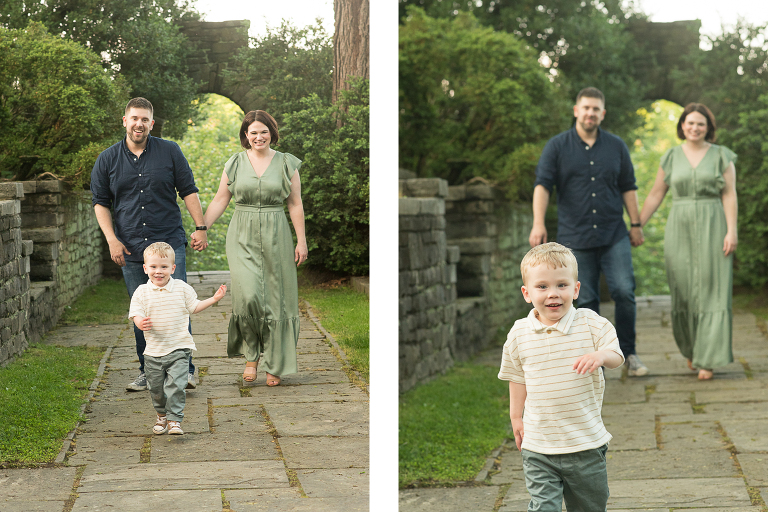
(167,381)
(580,478)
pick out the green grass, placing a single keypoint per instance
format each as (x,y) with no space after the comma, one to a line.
(40,397)
(105,303)
(345,314)
(450,425)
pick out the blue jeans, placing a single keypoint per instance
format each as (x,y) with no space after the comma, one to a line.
(133,273)
(615,261)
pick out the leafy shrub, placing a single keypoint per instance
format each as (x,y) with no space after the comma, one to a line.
(284,66)
(469,98)
(58,106)
(332,141)
(207,145)
(140,41)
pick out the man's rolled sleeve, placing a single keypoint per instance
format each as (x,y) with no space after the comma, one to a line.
(101,194)
(626,180)
(546,169)
(184,178)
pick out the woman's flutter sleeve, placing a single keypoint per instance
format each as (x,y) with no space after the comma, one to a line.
(726,158)
(666,164)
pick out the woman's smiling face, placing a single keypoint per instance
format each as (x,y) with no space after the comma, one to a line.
(258,136)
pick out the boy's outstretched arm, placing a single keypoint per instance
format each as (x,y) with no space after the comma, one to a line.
(517,395)
(203,304)
(594,360)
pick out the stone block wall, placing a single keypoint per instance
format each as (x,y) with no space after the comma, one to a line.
(455,301)
(68,249)
(492,234)
(14,274)
(427,283)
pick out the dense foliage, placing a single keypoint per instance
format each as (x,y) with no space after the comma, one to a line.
(651,141)
(732,79)
(58,106)
(208,145)
(284,66)
(473,102)
(332,141)
(580,43)
(139,40)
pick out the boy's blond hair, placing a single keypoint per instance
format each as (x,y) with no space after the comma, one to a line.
(551,254)
(161,249)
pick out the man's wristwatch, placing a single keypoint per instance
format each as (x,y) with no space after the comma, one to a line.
(201,228)
(637,225)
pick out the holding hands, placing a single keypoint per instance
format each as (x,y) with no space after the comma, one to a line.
(199,240)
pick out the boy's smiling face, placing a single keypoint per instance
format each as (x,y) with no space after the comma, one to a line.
(551,291)
(159,269)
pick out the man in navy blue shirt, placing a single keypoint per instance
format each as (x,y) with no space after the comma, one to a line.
(595,181)
(138,179)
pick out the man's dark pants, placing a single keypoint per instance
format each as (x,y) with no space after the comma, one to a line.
(615,261)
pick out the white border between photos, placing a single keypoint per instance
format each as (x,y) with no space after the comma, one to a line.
(384,257)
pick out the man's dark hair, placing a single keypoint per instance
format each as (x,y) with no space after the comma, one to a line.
(591,92)
(140,103)
(703,110)
(265,119)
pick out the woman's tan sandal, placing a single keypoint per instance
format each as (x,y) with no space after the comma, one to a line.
(273,380)
(249,375)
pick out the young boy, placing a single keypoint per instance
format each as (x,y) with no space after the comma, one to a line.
(552,360)
(161,308)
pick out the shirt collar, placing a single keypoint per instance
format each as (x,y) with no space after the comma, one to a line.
(563,325)
(146,146)
(168,286)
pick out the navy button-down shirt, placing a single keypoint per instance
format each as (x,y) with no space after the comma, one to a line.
(141,191)
(590,182)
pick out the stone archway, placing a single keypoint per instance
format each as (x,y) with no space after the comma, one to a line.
(217,43)
(666,47)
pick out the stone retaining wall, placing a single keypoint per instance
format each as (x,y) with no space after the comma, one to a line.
(427,283)
(67,256)
(14,274)
(460,250)
(492,234)
(50,251)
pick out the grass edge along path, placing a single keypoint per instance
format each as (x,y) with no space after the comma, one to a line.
(345,313)
(41,395)
(450,425)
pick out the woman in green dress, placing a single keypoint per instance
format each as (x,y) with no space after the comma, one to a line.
(262,257)
(699,240)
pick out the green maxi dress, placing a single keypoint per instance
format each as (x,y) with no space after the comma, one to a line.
(265,299)
(700,276)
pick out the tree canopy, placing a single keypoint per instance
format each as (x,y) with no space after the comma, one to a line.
(732,79)
(472,100)
(139,39)
(582,44)
(58,106)
(284,66)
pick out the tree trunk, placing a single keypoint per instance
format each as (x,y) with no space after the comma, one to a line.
(351,43)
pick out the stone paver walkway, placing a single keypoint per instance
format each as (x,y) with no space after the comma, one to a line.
(301,446)
(678,443)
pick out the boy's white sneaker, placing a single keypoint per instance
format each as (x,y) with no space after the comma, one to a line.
(636,366)
(174,428)
(161,427)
